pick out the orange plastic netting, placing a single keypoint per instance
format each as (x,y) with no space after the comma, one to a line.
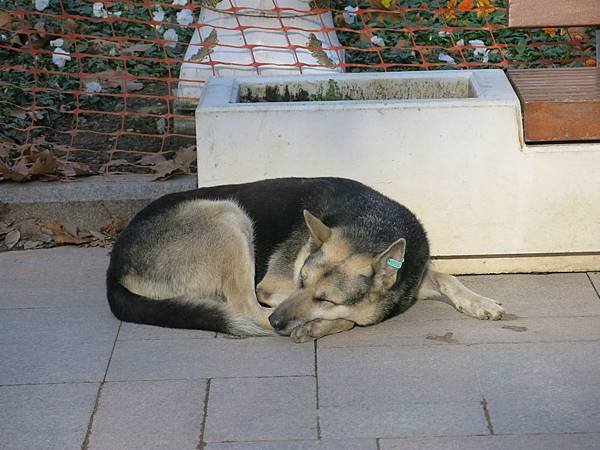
(108,87)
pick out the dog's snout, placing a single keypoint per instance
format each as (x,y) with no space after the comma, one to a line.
(276,321)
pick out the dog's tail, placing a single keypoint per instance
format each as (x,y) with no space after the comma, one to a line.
(176,312)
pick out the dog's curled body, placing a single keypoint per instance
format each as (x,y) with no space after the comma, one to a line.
(192,260)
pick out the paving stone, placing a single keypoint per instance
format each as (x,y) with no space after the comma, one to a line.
(388,376)
(45,417)
(324,444)
(249,409)
(542,388)
(54,361)
(520,442)
(399,418)
(397,331)
(134,331)
(55,295)
(400,332)
(209,358)
(66,266)
(424,310)
(575,409)
(517,368)
(149,415)
(561,294)
(77,323)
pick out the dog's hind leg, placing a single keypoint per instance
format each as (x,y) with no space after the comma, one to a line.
(238,288)
(318,328)
(436,285)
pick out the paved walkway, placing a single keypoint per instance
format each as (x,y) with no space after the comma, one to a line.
(72,376)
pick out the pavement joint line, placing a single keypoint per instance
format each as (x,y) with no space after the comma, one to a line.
(460,344)
(317,389)
(201,442)
(29,308)
(164,339)
(276,440)
(593,285)
(88,434)
(437,436)
(142,380)
(486,414)
(48,383)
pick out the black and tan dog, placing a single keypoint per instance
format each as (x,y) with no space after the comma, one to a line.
(191,260)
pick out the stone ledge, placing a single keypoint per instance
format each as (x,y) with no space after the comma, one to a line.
(87,202)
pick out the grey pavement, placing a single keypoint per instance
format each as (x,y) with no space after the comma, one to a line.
(74,377)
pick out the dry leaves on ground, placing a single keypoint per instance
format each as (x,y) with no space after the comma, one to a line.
(32,233)
(166,168)
(37,162)
(113,226)
(113,79)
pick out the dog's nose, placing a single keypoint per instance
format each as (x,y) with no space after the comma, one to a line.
(276,321)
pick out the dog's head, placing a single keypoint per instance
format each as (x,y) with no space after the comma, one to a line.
(334,281)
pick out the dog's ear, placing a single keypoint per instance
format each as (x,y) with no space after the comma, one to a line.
(387,263)
(319,232)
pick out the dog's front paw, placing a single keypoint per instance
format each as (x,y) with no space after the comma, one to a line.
(484,309)
(305,332)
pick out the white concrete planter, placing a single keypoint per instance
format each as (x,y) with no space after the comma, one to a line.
(446,144)
(230,54)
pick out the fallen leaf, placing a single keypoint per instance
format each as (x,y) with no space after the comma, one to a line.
(133,85)
(72,169)
(3,208)
(31,230)
(18,114)
(53,227)
(62,238)
(5,20)
(207,48)
(71,229)
(99,236)
(5,227)
(115,162)
(185,157)
(403,43)
(136,48)
(100,44)
(44,163)
(11,239)
(19,172)
(114,78)
(149,160)
(28,245)
(113,226)
(315,47)
(165,169)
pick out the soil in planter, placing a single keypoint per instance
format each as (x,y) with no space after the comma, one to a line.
(274,93)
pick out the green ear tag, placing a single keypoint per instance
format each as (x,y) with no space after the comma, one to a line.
(394,263)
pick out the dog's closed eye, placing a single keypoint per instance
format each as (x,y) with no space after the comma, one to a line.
(322,298)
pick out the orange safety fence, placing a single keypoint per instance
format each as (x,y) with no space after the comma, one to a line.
(98,87)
